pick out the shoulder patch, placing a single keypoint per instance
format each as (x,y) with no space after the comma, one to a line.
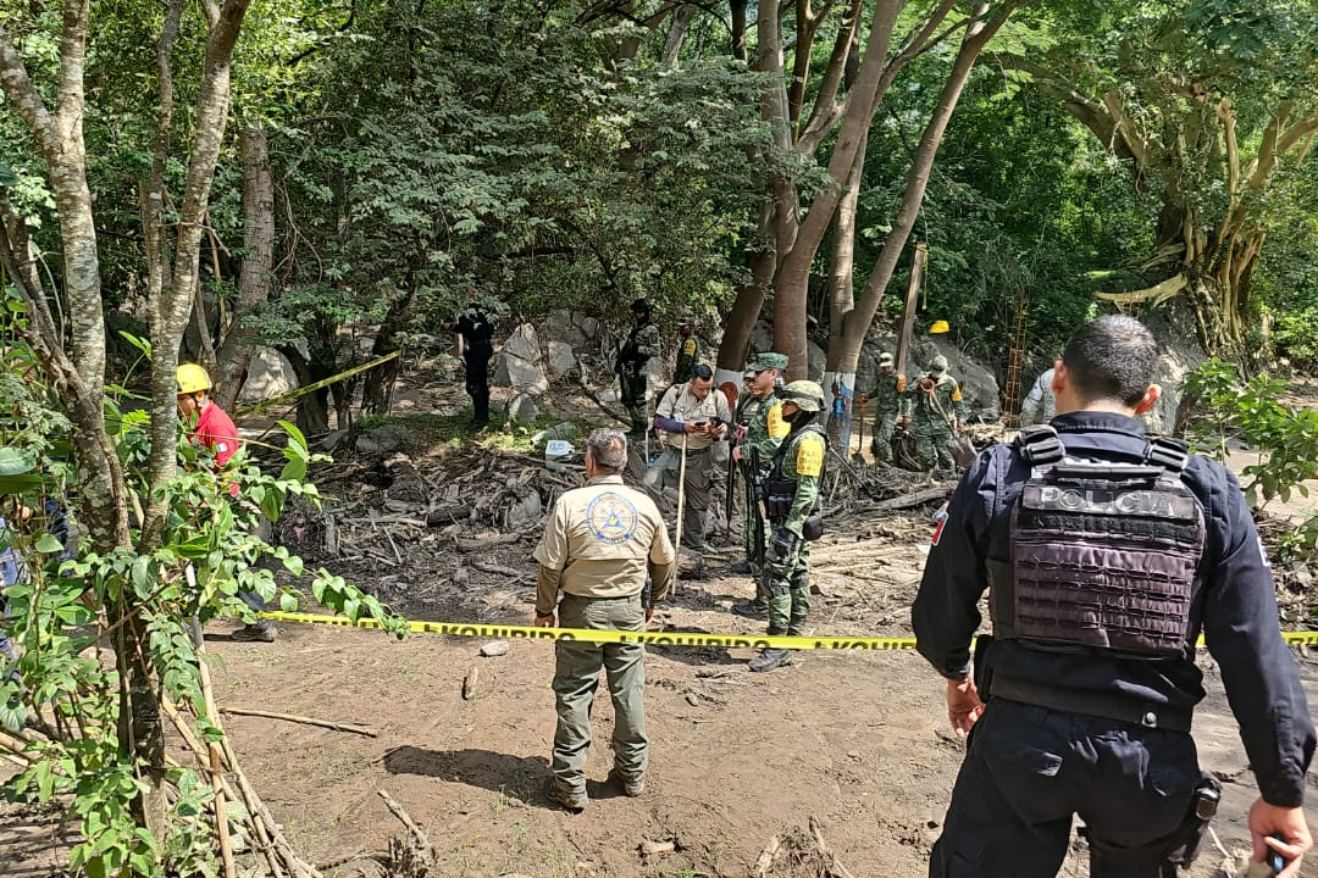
(689,347)
(810,456)
(956,393)
(778,428)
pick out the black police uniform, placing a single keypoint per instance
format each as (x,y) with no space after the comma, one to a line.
(1089,731)
(477,348)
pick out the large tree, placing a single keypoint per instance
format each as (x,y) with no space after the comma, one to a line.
(1210,106)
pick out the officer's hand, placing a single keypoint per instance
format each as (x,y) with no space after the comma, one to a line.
(864,400)
(649,614)
(545,621)
(1289,823)
(963,705)
(741,432)
(783,544)
(693,428)
(736,454)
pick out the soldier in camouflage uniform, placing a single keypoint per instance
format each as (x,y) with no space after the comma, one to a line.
(891,407)
(761,428)
(642,344)
(937,414)
(688,349)
(791,498)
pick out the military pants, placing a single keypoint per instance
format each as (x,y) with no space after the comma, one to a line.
(884,426)
(576,677)
(632,384)
(661,478)
(1029,769)
(787,583)
(931,446)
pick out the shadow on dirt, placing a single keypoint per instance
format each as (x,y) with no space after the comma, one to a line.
(518,777)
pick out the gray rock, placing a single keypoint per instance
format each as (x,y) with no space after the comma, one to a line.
(270,374)
(525,510)
(561,360)
(565,430)
(495,648)
(520,364)
(816,357)
(382,440)
(523,409)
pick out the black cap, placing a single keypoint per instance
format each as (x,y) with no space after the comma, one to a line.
(640,306)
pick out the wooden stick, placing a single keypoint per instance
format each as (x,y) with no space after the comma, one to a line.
(835,869)
(425,850)
(304,720)
(765,860)
(216,756)
(681,497)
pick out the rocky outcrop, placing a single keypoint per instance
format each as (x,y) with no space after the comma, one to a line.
(269,374)
(520,363)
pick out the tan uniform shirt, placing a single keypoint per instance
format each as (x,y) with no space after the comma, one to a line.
(603,537)
(680,404)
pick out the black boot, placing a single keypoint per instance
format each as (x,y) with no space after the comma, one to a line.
(751,609)
(769,659)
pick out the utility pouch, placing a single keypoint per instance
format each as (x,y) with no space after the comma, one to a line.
(778,498)
(1191,834)
(813,527)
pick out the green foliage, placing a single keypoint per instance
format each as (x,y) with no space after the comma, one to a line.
(1285,437)
(78,599)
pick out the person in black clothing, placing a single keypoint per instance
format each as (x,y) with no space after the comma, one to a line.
(1105,555)
(477,331)
(641,345)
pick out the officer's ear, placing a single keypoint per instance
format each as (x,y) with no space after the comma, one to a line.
(1150,399)
(1059,376)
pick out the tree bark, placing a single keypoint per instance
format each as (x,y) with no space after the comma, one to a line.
(677,31)
(378,384)
(842,299)
(738,11)
(977,35)
(254,279)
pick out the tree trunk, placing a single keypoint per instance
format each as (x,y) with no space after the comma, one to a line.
(258,254)
(738,10)
(977,36)
(745,313)
(378,384)
(312,408)
(841,301)
(791,284)
(677,31)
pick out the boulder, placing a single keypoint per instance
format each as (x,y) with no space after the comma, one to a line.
(523,409)
(383,439)
(816,357)
(520,364)
(560,360)
(525,510)
(270,374)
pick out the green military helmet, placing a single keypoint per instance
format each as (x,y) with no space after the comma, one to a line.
(808,396)
(685,318)
(938,365)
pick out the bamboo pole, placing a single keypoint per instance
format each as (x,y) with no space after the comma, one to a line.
(216,760)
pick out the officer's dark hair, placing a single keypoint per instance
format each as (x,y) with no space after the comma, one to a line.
(703,372)
(609,450)
(1111,358)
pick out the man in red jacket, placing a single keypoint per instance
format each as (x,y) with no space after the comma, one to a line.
(214,430)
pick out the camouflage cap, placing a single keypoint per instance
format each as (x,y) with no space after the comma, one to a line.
(938,364)
(767,360)
(885,359)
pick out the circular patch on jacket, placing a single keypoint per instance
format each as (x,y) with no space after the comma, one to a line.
(611,518)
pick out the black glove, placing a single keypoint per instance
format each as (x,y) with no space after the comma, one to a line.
(782,545)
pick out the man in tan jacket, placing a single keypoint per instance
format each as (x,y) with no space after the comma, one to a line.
(599,544)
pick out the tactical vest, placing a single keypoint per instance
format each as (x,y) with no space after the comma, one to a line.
(1103,555)
(780,491)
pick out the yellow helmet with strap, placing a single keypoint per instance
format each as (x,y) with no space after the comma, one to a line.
(191,378)
(939,327)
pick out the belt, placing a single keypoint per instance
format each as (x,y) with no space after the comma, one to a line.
(1108,705)
(690,452)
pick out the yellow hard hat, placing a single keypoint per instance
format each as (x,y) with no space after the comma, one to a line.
(191,378)
(940,326)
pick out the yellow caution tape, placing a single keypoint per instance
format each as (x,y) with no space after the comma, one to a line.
(654,638)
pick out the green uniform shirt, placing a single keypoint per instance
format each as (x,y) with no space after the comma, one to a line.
(688,354)
(889,394)
(803,463)
(925,415)
(765,428)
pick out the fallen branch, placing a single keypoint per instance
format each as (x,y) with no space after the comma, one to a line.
(765,859)
(594,397)
(469,684)
(496,569)
(465,546)
(915,498)
(215,762)
(835,869)
(304,720)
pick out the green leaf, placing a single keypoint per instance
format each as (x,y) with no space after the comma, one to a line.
(8,178)
(16,461)
(294,471)
(49,544)
(288,603)
(271,505)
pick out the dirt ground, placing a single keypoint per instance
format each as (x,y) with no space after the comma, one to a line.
(857,742)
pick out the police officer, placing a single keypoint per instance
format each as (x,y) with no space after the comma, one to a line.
(1105,555)
(477,331)
(890,396)
(760,430)
(688,349)
(600,542)
(642,343)
(689,418)
(937,413)
(791,504)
